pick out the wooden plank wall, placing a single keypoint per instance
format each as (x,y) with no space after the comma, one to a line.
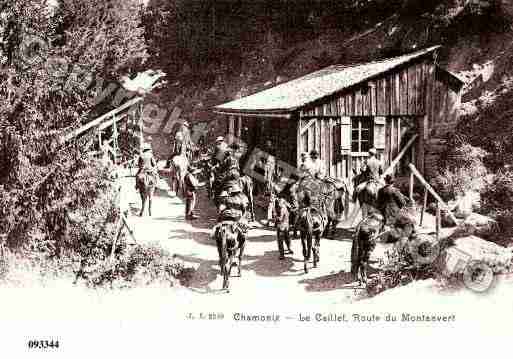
(402,92)
(320,135)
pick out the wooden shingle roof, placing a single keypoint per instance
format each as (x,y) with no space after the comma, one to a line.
(297,93)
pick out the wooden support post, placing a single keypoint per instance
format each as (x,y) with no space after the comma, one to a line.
(125,222)
(438,220)
(140,122)
(115,146)
(299,147)
(412,179)
(424,204)
(399,156)
(116,237)
(432,191)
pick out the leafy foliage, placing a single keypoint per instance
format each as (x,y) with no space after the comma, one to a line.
(462,170)
(143,265)
(51,57)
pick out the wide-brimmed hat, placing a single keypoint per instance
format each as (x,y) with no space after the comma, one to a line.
(146,147)
(372,151)
(220,139)
(223,194)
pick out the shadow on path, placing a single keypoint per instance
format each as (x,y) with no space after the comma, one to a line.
(341,280)
(205,274)
(268,264)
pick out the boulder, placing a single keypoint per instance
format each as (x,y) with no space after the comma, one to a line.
(472,248)
(476,224)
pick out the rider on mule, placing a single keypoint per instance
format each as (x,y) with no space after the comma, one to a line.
(146,164)
(182,141)
(232,207)
(373,171)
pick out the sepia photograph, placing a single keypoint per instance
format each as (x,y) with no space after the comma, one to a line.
(307,178)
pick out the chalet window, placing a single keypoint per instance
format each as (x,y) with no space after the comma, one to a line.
(362,132)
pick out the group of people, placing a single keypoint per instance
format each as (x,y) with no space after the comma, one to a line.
(312,165)
(390,202)
(226,172)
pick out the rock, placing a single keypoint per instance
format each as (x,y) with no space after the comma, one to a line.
(472,248)
(476,224)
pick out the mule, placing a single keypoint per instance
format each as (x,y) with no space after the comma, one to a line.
(333,200)
(146,183)
(178,165)
(364,242)
(230,245)
(310,223)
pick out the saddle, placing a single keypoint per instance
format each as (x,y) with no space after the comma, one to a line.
(146,176)
(237,227)
(310,212)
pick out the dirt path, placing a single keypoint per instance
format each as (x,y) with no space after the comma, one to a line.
(283,282)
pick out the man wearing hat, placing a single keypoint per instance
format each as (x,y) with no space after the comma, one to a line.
(146,163)
(304,165)
(220,148)
(232,203)
(179,147)
(218,156)
(191,184)
(230,166)
(374,167)
(316,165)
(373,170)
(390,201)
(186,130)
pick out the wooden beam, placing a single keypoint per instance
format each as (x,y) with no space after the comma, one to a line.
(424,205)
(399,156)
(246,114)
(432,191)
(299,147)
(112,121)
(99,120)
(412,181)
(307,126)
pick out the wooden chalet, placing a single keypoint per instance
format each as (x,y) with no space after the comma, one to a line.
(342,111)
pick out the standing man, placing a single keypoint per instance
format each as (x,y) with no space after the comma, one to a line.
(216,161)
(390,201)
(220,148)
(186,130)
(269,176)
(304,166)
(372,172)
(191,186)
(316,165)
(374,166)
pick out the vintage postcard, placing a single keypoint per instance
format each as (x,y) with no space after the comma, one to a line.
(235,177)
